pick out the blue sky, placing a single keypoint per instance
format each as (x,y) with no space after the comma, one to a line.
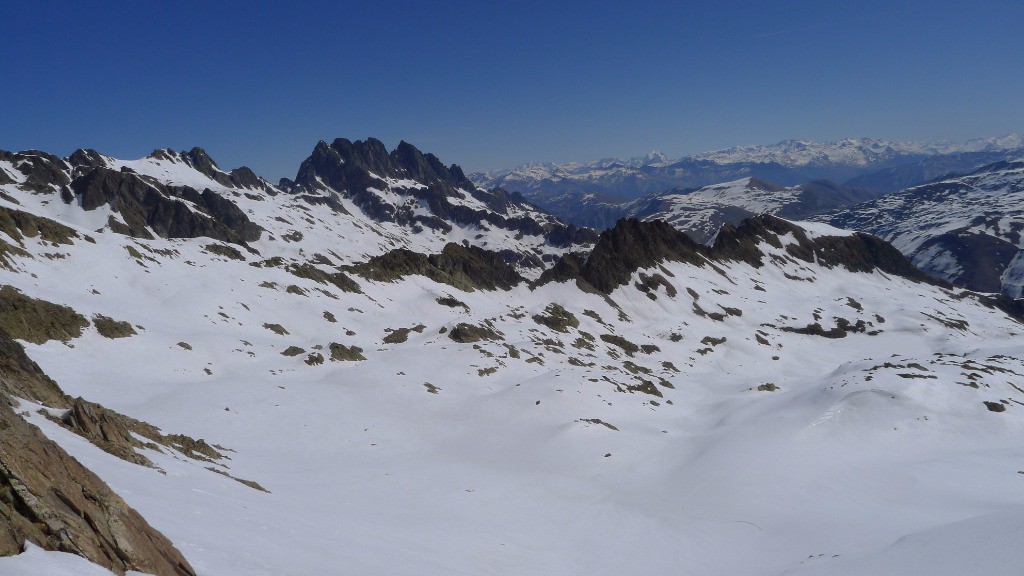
(490,85)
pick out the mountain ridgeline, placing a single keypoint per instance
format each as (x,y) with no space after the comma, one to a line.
(966,229)
(361,168)
(382,324)
(596,193)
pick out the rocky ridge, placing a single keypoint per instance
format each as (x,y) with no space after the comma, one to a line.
(965,229)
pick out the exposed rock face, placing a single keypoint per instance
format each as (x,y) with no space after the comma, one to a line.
(143,203)
(980,261)
(462,267)
(118,434)
(241,177)
(633,244)
(49,499)
(21,377)
(41,170)
(37,321)
(354,168)
(86,158)
(857,252)
(568,267)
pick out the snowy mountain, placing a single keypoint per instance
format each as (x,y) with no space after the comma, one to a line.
(310,379)
(965,229)
(854,151)
(702,212)
(568,190)
(376,200)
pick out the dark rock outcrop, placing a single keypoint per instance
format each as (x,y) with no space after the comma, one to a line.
(86,158)
(634,244)
(856,252)
(354,168)
(145,203)
(568,267)
(43,172)
(241,177)
(463,267)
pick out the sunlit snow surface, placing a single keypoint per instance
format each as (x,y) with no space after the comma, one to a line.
(987,202)
(874,456)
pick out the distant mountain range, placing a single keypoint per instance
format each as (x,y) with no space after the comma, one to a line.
(863,163)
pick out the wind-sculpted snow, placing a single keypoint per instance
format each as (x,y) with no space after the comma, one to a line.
(966,229)
(784,401)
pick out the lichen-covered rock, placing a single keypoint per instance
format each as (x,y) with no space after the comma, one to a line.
(466,268)
(110,328)
(342,353)
(467,333)
(557,318)
(37,321)
(17,224)
(21,377)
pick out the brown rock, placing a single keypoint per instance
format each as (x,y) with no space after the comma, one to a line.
(49,499)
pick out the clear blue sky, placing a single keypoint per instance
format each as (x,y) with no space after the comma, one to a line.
(489,85)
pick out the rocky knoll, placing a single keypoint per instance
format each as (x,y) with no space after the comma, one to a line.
(463,267)
(856,252)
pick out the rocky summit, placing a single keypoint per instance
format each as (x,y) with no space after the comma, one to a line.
(380,367)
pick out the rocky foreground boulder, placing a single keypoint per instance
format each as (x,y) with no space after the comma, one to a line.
(50,499)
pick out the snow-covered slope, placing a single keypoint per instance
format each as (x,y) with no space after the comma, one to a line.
(789,401)
(965,229)
(702,212)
